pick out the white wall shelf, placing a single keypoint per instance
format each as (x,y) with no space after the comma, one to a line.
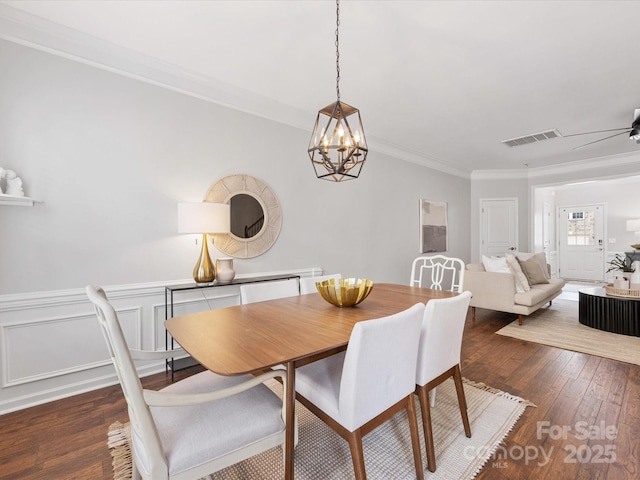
(18,201)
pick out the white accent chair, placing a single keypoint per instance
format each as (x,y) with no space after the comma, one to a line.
(260,292)
(355,391)
(196,426)
(308,284)
(439,359)
(438,272)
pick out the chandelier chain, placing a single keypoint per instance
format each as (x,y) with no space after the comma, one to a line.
(337,49)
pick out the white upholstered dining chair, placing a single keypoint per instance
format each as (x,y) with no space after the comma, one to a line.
(196,426)
(438,272)
(439,359)
(355,391)
(308,284)
(262,291)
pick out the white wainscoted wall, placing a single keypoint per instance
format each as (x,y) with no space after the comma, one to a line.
(52,346)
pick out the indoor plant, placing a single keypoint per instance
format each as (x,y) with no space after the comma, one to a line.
(621,263)
(626,268)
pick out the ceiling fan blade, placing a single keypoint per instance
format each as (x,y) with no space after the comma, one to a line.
(597,131)
(600,140)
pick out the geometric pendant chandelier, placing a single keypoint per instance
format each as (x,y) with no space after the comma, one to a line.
(338,147)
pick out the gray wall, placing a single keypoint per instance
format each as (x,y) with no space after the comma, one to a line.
(111,157)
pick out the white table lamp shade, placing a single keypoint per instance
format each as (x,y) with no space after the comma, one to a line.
(633,225)
(203,217)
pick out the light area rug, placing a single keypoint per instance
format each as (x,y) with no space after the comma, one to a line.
(558,326)
(321,454)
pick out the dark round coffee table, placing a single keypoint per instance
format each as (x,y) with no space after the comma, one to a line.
(608,313)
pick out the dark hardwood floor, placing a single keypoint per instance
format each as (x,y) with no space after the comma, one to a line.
(588,413)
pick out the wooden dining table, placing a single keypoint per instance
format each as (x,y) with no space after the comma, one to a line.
(292,331)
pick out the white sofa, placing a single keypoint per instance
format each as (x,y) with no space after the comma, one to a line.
(497,291)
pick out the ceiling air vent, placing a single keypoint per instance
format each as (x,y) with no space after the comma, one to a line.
(532,138)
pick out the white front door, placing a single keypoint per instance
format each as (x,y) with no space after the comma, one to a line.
(498,226)
(581,242)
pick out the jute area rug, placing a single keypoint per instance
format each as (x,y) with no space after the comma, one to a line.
(558,326)
(321,454)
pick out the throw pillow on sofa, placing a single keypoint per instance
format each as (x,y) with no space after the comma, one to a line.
(533,270)
(495,264)
(522,284)
(542,258)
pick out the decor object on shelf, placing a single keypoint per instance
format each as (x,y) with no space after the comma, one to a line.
(14,184)
(433,226)
(338,148)
(249,199)
(346,292)
(634,226)
(224,270)
(203,218)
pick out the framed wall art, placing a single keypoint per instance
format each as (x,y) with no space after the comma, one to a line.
(433,226)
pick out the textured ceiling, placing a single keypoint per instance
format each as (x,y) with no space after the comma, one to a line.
(437,82)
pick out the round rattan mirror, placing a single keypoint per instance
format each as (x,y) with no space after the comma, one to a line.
(256,217)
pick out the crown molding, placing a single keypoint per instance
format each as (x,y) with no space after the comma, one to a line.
(609,161)
(499,175)
(618,160)
(419,158)
(35,32)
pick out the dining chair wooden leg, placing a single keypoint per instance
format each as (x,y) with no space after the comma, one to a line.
(425,408)
(289,396)
(462,401)
(415,436)
(357,455)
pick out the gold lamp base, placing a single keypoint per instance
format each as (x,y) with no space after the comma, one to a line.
(204,272)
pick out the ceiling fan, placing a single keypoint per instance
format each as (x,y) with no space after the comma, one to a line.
(633,131)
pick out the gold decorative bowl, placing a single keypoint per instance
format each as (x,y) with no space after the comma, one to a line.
(348,292)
